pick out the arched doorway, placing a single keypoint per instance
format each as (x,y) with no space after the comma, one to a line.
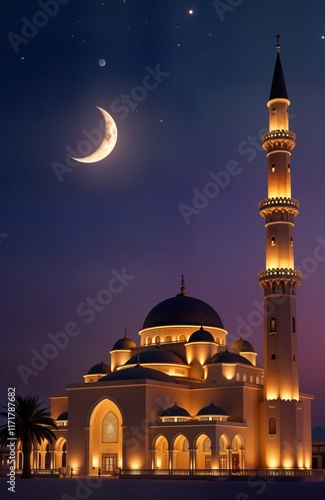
(60,453)
(224,452)
(203,452)
(105,438)
(160,453)
(237,453)
(181,453)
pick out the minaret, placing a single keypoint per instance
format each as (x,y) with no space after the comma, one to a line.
(285,415)
(279,280)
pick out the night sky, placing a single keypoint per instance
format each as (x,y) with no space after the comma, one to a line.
(68,228)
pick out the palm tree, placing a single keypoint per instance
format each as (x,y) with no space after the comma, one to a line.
(32,424)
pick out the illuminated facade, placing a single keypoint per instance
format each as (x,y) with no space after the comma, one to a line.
(185,399)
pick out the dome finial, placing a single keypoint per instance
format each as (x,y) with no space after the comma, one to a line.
(277,42)
(125,330)
(182,285)
(138,363)
(241,334)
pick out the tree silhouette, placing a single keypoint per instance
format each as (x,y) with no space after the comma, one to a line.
(32,424)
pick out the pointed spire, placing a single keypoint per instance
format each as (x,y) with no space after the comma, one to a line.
(278,88)
(182,285)
(183,294)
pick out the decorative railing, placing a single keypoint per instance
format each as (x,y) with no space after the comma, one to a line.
(279,134)
(283,273)
(279,202)
(224,472)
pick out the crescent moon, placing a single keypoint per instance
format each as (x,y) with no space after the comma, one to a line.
(108,143)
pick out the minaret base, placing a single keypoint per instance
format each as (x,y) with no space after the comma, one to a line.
(285,439)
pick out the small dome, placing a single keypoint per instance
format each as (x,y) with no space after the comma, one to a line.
(138,373)
(229,357)
(201,335)
(124,344)
(156,355)
(100,368)
(212,409)
(242,345)
(63,416)
(175,411)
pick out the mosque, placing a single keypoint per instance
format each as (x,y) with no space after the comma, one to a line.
(182,398)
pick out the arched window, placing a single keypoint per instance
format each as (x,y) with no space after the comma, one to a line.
(291,241)
(273,111)
(157,339)
(273,168)
(217,340)
(272,241)
(222,444)
(251,379)
(272,425)
(272,325)
(293,324)
(257,380)
(237,376)
(109,428)
(244,377)
(181,338)
(289,167)
(149,341)
(168,338)
(186,445)
(207,445)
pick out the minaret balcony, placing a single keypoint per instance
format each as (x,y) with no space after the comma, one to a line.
(270,204)
(283,140)
(280,274)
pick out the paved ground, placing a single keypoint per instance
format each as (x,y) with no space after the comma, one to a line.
(146,489)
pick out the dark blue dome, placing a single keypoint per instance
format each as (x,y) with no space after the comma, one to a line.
(175,411)
(182,310)
(229,357)
(99,369)
(156,355)
(124,344)
(212,409)
(138,373)
(63,416)
(201,336)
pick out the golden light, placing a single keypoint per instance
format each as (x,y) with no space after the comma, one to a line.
(191,11)
(95,461)
(229,371)
(108,143)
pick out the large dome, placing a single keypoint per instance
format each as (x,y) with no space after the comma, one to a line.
(182,310)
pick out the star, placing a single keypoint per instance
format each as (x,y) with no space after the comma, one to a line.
(191,11)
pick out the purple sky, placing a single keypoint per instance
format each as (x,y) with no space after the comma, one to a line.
(62,242)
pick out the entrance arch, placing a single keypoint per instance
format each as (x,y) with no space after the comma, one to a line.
(237,452)
(224,445)
(105,438)
(60,453)
(181,453)
(203,452)
(160,453)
